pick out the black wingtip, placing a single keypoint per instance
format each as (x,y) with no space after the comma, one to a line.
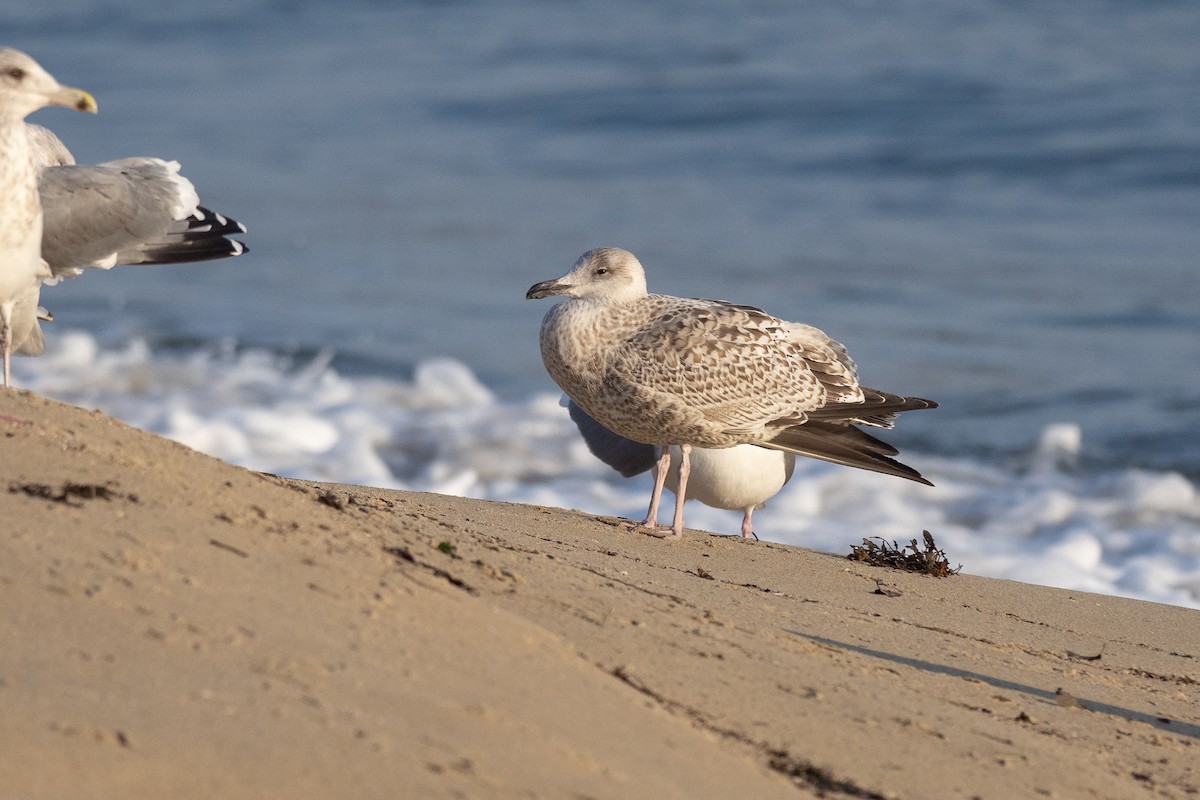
(213,223)
(204,236)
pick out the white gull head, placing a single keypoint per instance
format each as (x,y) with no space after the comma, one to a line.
(25,87)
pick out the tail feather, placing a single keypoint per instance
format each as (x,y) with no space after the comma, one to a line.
(843,444)
(878,409)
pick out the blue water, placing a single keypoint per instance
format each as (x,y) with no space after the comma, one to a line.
(995,205)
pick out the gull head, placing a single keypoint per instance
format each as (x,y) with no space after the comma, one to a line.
(606,273)
(25,87)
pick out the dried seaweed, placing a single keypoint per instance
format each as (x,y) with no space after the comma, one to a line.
(908,558)
(332,500)
(70,493)
(1082,657)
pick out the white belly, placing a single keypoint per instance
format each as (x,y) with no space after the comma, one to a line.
(735,478)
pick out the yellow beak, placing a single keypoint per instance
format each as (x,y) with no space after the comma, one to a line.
(77,99)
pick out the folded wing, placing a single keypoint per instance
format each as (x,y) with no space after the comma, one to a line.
(131,211)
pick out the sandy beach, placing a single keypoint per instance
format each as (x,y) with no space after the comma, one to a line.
(174,626)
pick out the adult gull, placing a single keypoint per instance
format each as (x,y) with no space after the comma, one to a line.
(665,371)
(739,478)
(24,88)
(131,211)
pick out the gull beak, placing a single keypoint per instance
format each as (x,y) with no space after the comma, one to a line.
(547,288)
(78,99)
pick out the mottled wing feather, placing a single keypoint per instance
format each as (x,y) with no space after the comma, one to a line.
(731,366)
(829,361)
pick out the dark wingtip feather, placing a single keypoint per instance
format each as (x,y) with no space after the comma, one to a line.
(216,224)
(846,445)
(205,237)
(877,409)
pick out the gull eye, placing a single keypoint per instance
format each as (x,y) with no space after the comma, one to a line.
(602,270)
(16,73)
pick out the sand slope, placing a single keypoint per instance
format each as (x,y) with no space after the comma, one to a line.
(172,626)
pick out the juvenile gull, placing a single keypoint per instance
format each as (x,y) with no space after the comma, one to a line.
(665,370)
(739,478)
(24,88)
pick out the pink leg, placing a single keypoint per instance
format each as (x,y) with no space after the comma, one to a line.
(660,477)
(685,469)
(747,528)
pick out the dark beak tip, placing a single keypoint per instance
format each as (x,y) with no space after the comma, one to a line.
(540,290)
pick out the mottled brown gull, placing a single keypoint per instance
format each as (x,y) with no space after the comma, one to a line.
(24,88)
(739,478)
(665,371)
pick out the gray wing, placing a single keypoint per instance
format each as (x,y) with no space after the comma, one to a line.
(133,211)
(624,455)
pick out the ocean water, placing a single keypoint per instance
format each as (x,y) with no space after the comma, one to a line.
(993,205)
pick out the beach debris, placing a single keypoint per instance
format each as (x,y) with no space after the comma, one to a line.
(886,589)
(404,555)
(803,772)
(1068,700)
(237,551)
(332,500)
(1080,657)
(908,558)
(69,492)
